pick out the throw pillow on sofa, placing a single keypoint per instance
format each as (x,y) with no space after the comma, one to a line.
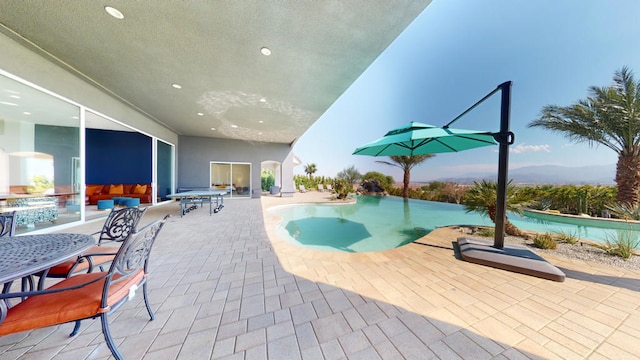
(140,189)
(116,190)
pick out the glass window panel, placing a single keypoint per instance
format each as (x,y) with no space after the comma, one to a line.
(235,177)
(241,177)
(220,174)
(39,152)
(164,169)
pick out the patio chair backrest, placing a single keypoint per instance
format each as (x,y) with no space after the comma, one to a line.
(132,256)
(8,224)
(120,223)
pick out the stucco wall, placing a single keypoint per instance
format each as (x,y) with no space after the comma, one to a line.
(196,153)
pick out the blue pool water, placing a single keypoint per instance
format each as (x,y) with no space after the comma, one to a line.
(377,223)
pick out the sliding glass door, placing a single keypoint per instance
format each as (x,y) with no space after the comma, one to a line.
(50,148)
(164,170)
(235,177)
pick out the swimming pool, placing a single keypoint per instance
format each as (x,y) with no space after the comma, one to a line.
(376,223)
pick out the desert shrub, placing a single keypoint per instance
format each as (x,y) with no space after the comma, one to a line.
(566,237)
(342,188)
(394,191)
(545,241)
(486,232)
(622,243)
(625,211)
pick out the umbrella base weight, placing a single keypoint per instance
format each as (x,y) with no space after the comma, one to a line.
(513,258)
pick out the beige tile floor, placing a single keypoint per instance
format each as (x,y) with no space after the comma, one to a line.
(226,287)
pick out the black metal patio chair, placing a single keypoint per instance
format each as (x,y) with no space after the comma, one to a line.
(8,224)
(89,295)
(117,227)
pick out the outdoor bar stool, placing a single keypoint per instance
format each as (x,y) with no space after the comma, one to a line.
(105,204)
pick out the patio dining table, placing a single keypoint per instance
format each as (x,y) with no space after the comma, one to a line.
(22,256)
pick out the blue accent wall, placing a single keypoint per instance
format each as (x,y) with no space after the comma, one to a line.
(117,157)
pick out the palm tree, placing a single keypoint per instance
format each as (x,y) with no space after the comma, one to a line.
(406,163)
(609,117)
(310,169)
(482,198)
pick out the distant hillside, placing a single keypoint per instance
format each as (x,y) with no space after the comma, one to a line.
(549,174)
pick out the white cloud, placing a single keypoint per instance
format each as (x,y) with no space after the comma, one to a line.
(522,148)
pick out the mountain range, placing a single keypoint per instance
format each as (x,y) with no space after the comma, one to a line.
(548,174)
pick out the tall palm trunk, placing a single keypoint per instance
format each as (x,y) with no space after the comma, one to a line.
(405,182)
(406,163)
(628,177)
(512,230)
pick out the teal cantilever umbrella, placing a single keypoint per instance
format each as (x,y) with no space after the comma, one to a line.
(418,139)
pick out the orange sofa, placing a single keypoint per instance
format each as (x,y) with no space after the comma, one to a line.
(95,192)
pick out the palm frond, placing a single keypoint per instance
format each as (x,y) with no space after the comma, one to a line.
(610,116)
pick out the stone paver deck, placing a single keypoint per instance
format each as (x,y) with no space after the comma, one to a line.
(226,287)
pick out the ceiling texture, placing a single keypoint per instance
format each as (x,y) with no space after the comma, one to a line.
(212,49)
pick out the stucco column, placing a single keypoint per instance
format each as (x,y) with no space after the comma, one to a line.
(286,170)
(277,170)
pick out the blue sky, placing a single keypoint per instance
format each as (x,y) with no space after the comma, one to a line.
(456,52)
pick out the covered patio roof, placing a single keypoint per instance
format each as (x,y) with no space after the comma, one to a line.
(261,71)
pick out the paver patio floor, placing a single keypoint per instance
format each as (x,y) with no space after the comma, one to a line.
(226,287)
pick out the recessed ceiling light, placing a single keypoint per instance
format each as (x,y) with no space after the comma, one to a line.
(259,133)
(176,86)
(234,126)
(200,114)
(213,129)
(265,51)
(262,100)
(114,12)
(260,121)
(27,113)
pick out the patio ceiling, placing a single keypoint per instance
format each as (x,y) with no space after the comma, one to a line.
(212,49)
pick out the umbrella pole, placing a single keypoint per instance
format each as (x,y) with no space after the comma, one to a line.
(504,138)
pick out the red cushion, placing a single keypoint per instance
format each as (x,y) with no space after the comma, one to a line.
(62,269)
(66,306)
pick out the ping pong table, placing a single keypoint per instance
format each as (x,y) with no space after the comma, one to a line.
(189,200)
